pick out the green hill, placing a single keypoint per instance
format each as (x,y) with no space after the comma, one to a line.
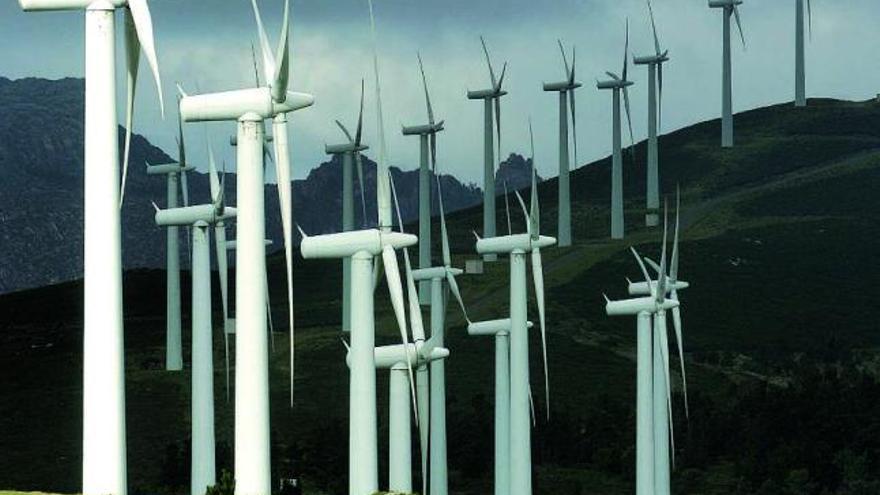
(780,337)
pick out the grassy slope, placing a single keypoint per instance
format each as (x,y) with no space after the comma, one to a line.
(780,235)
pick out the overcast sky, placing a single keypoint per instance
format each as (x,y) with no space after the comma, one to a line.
(206,44)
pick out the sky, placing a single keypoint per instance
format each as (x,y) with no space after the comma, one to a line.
(206,46)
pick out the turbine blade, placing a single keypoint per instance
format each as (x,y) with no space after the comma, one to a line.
(612,75)
(673,267)
(664,355)
(489,63)
(532,407)
(444,235)
(538,275)
(383,195)
(345,131)
(534,211)
(659,96)
(427,96)
(456,292)
(424,410)
(269,316)
(282,71)
(654,28)
(184,188)
(360,172)
(661,277)
(265,50)
(256,71)
(522,205)
(564,59)
(282,175)
(433,142)
(507,210)
(626,52)
(360,127)
(573,63)
(632,139)
(574,133)
(220,252)
(676,322)
(395,289)
(132,59)
(641,265)
(810,18)
(498,128)
(739,25)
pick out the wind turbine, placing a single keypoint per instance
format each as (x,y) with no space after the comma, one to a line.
(729,8)
(104,445)
(566,102)
(662,403)
(428,139)
(644,308)
(362,246)
(518,246)
(175,176)
(351,154)
(491,97)
(618,85)
(440,278)
(201,218)
(655,89)
(249,108)
(800,77)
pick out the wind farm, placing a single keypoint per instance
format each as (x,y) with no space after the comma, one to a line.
(425,349)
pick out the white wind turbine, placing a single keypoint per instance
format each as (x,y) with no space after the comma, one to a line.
(351,155)
(800,76)
(428,141)
(662,402)
(617,85)
(104,445)
(644,308)
(729,8)
(201,218)
(490,97)
(250,107)
(566,90)
(518,246)
(655,104)
(175,174)
(362,246)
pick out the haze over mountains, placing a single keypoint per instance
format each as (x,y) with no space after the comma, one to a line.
(41,165)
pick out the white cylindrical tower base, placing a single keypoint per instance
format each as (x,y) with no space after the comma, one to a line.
(644,408)
(488,176)
(363,467)
(252,447)
(661,409)
(502,413)
(424,218)
(173,347)
(347,225)
(439,472)
(564,220)
(616,172)
(202,469)
(520,413)
(399,431)
(652,219)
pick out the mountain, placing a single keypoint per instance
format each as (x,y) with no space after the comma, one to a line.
(41,162)
(779,244)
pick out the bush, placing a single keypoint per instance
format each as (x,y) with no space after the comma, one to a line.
(226,485)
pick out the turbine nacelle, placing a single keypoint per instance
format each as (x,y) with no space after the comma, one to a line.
(638,305)
(168,168)
(435,272)
(345,244)
(652,59)
(395,356)
(417,130)
(613,84)
(561,86)
(335,149)
(191,215)
(642,289)
(717,4)
(230,105)
(485,94)
(492,327)
(511,243)
(38,5)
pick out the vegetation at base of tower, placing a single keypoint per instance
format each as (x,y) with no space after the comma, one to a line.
(225,486)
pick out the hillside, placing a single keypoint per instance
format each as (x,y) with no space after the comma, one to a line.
(41,150)
(781,345)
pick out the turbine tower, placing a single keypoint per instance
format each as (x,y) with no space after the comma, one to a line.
(175,177)
(104,446)
(201,217)
(250,107)
(518,247)
(729,8)
(440,278)
(655,104)
(800,76)
(428,140)
(566,102)
(491,97)
(351,154)
(618,85)
(362,246)
(644,308)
